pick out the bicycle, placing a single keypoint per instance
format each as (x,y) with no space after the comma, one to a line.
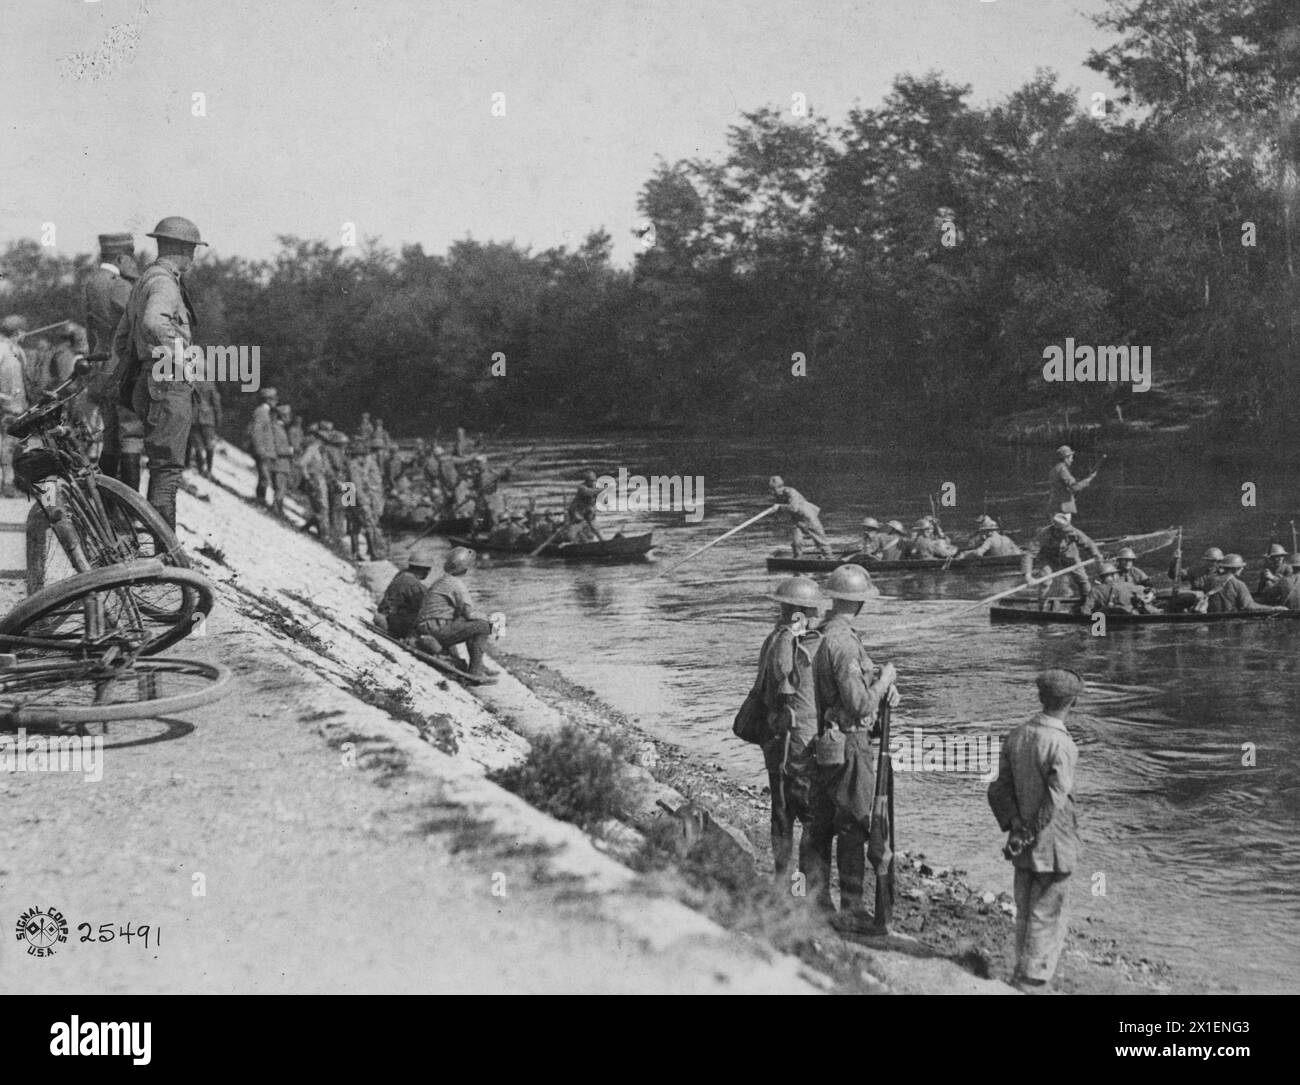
(86,651)
(82,519)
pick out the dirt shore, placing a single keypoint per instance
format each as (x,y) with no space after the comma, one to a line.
(937,914)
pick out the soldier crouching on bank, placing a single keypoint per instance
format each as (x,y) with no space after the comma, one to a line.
(1033,800)
(785,681)
(847,703)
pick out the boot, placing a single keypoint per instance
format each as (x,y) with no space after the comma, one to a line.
(163,484)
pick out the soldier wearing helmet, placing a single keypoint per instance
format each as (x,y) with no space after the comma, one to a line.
(804,517)
(447,616)
(399,609)
(1062,484)
(785,683)
(1275,568)
(1200,577)
(159,320)
(989,542)
(1111,595)
(849,692)
(1231,594)
(1059,547)
(1127,570)
(1285,590)
(879,543)
(926,542)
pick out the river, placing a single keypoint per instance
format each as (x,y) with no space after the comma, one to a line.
(1189,854)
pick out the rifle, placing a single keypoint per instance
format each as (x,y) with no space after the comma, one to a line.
(880,845)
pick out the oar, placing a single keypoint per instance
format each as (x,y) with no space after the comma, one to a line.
(47,327)
(548,542)
(724,535)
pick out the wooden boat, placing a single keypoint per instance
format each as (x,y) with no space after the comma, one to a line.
(615,548)
(444,663)
(1068,615)
(776,564)
(396,522)
(1154,540)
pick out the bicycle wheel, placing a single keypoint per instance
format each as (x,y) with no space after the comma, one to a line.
(91,612)
(126,529)
(94,691)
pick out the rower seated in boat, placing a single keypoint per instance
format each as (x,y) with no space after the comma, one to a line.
(927,542)
(1230,594)
(989,542)
(1111,595)
(1285,590)
(879,543)
(1275,568)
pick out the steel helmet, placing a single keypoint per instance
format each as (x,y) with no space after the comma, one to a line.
(176,228)
(1064,450)
(421,557)
(798,591)
(986,523)
(1294,562)
(12,324)
(922,524)
(1233,561)
(1126,554)
(459,560)
(1106,568)
(851,582)
(871,522)
(1061,519)
(776,482)
(1275,551)
(269,393)
(895,527)
(1212,554)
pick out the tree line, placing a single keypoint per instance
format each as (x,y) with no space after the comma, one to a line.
(912,260)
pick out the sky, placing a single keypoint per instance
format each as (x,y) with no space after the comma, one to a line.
(380,113)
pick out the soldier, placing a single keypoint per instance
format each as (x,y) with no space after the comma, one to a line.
(357,502)
(785,683)
(107,291)
(71,343)
(1063,485)
(1111,595)
(399,609)
(1275,568)
(261,437)
(989,542)
(847,701)
(1033,801)
(1128,572)
(804,517)
(316,473)
(374,494)
(207,422)
(282,469)
(580,516)
(335,451)
(926,541)
(1058,548)
(447,616)
(159,320)
(878,543)
(365,431)
(1230,594)
(1285,591)
(13,396)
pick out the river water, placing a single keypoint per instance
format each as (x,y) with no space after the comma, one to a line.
(1189,854)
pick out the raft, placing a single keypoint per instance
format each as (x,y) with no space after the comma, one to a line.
(1029,612)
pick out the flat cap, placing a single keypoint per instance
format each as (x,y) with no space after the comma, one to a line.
(1059,683)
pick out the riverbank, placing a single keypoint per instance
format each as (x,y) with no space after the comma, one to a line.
(939,914)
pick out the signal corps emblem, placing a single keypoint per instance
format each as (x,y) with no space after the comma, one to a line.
(42,930)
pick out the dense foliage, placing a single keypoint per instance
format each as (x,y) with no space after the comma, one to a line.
(919,255)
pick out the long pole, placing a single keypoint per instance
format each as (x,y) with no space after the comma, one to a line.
(882,828)
(725,535)
(37,331)
(548,541)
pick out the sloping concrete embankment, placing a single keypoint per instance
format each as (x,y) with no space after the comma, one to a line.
(308,834)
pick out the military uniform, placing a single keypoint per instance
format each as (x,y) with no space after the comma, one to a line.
(401,603)
(261,435)
(1063,486)
(282,470)
(843,794)
(928,546)
(358,506)
(1112,597)
(1230,594)
(805,518)
(995,545)
(106,293)
(207,421)
(317,474)
(158,315)
(1135,576)
(1035,787)
(447,618)
(337,459)
(13,402)
(785,682)
(1059,548)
